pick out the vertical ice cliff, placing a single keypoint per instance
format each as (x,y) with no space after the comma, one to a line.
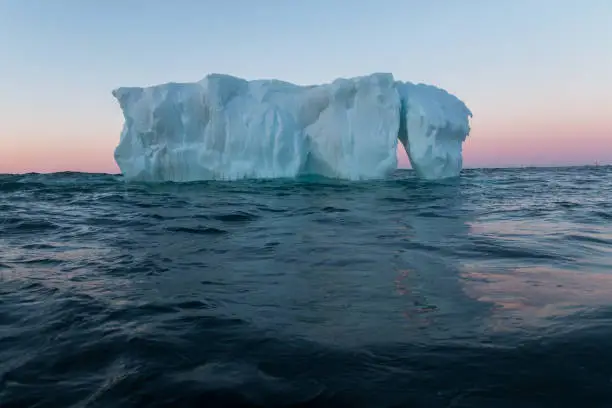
(224,127)
(433,126)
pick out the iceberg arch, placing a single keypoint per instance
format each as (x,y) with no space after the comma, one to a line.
(224,127)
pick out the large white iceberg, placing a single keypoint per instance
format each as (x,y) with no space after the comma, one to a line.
(224,127)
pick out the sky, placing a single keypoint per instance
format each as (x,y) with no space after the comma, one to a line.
(537,75)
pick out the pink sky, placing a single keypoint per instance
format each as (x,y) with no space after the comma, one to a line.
(84,139)
(91,150)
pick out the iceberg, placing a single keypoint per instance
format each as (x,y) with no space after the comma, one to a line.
(228,128)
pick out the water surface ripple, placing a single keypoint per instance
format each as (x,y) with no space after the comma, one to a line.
(493,290)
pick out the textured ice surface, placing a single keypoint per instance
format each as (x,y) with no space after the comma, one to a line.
(224,127)
(433,127)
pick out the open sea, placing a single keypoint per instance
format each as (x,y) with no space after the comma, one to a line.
(492,290)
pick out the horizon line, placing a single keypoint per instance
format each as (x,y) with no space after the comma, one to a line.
(507,167)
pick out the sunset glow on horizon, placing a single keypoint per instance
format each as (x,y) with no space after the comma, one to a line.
(82,156)
(537,76)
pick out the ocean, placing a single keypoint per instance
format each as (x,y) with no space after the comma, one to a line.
(492,290)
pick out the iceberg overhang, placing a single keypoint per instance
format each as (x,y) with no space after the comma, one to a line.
(224,127)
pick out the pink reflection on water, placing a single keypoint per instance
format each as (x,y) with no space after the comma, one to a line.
(535,296)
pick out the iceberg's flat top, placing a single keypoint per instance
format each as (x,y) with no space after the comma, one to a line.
(224,127)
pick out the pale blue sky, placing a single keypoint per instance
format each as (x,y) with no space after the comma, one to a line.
(535,62)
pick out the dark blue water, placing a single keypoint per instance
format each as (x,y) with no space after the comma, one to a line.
(494,290)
